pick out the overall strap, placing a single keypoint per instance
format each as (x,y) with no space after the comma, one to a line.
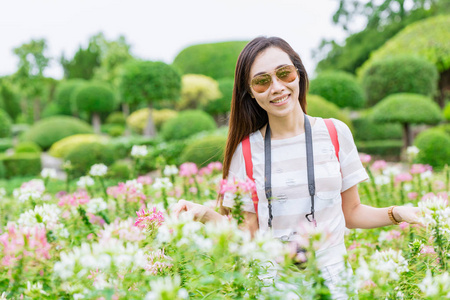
(333,134)
(246,150)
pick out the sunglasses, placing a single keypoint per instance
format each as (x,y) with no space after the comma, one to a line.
(261,83)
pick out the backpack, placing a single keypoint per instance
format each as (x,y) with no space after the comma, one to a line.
(248,156)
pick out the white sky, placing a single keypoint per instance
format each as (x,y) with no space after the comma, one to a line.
(160,29)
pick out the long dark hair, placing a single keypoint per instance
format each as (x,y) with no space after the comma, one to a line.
(246,116)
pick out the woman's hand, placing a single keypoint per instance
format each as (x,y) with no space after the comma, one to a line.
(406,214)
(200,212)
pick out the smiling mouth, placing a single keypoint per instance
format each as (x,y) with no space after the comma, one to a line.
(280,100)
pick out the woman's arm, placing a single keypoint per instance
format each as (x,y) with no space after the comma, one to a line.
(358,215)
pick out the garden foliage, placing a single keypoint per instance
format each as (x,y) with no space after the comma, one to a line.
(204,150)
(186,124)
(434,146)
(5,124)
(319,107)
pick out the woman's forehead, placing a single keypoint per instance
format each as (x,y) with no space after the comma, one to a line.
(268,60)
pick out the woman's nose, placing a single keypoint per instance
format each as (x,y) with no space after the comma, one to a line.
(277,84)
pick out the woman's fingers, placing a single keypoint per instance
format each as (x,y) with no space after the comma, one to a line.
(182,205)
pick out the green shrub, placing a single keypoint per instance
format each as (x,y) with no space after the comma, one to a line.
(113,130)
(319,107)
(339,88)
(5,144)
(9,100)
(21,164)
(366,129)
(64,95)
(27,147)
(186,124)
(222,105)
(122,145)
(386,148)
(163,154)
(138,119)
(48,131)
(95,97)
(62,147)
(119,170)
(399,74)
(50,110)
(434,146)
(5,124)
(83,156)
(447,112)
(2,170)
(205,150)
(216,60)
(116,117)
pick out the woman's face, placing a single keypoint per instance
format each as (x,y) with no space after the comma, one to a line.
(281,98)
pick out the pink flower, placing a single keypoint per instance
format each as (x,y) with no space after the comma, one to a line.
(247,186)
(148,219)
(428,196)
(365,158)
(95,219)
(443,195)
(227,187)
(145,180)
(130,191)
(210,168)
(393,234)
(157,262)
(419,168)
(78,198)
(439,185)
(403,225)
(412,195)
(427,250)
(188,169)
(193,189)
(403,177)
(354,246)
(379,165)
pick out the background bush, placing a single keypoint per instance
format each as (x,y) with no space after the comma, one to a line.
(138,119)
(5,124)
(95,97)
(216,60)
(64,95)
(221,105)
(83,156)
(388,149)
(116,117)
(9,100)
(339,88)
(186,124)
(447,112)
(366,129)
(205,150)
(119,170)
(5,144)
(434,146)
(113,130)
(319,107)
(50,130)
(122,145)
(62,147)
(399,74)
(27,147)
(21,164)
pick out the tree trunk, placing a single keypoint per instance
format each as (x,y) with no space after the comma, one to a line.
(444,87)
(36,109)
(96,122)
(126,113)
(150,130)
(407,136)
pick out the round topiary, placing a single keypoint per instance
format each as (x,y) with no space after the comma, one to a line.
(83,156)
(139,118)
(62,147)
(52,109)
(339,88)
(366,129)
(434,146)
(95,97)
(216,60)
(205,150)
(399,74)
(64,95)
(5,124)
(113,130)
(222,105)
(186,124)
(116,117)
(27,147)
(319,107)
(48,131)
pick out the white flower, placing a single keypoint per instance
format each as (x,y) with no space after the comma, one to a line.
(166,287)
(46,215)
(49,173)
(139,151)
(382,180)
(31,190)
(78,296)
(412,152)
(98,170)
(392,170)
(170,170)
(3,296)
(95,205)
(427,174)
(2,192)
(391,262)
(85,181)
(35,289)
(162,183)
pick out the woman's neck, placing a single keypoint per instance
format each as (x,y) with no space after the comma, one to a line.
(286,127)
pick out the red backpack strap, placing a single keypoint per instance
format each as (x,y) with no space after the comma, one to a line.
(247,151)
(333,134)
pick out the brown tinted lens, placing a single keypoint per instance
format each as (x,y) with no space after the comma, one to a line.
(261,83)
(287,73)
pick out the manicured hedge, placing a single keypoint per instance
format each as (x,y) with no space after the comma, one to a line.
(64,146)
(50,130)
(83,156)
(366,129)
(186,124)
(205,150)
(216,60)
(434,146)
(340,88)
(319,107)
(386,148)
(64,95)
(21,164)
(222,105)
(27,147)
(95,97)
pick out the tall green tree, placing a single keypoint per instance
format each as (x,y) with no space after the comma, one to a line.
(84,62)
(149,82)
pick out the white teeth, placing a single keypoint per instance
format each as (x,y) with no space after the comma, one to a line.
(280,100)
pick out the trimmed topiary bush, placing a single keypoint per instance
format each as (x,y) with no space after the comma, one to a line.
(62,147)
(64,95)
(339,88)
(119,170)
(50,130)
(186,124)
(51,109)
(407,109)
(319,107)
(205,150)
(366,129)
(216,60)
(21,164)
(116,117)
(138,119)
(197,91)
(385,148)
(399,74)
(434,146)
(222,105)
(27,147)
(113,130)
(5,124)
(83,156)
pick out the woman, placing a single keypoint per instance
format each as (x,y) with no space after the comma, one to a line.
(269,106)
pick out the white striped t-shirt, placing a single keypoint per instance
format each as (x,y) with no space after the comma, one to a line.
(290,185)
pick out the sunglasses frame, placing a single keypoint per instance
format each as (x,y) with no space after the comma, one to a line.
(274,72)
